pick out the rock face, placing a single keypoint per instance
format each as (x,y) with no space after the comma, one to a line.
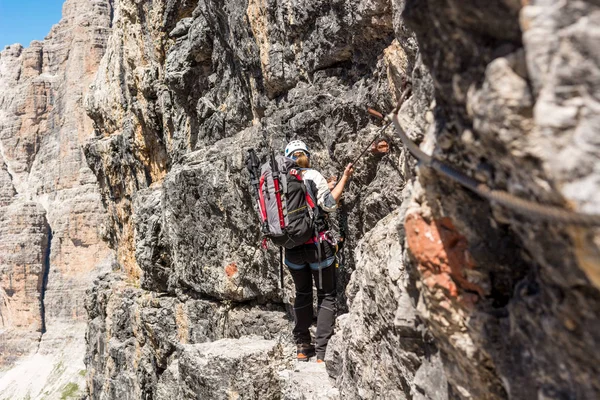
(162,334)
(448,296)
(25,248)
(504,293)
(381,345)
(50,206)
(245,368)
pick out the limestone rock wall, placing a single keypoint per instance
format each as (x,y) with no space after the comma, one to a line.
(447,295)
(50,207)
(525,289)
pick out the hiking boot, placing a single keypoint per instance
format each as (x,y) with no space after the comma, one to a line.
(320,359)
(304,351)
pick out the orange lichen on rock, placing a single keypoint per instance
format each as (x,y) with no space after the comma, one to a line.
(231,269)
(442,253)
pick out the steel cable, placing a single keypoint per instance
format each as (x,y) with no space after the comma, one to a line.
(527,208)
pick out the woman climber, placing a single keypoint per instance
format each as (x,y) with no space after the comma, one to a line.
(304,261)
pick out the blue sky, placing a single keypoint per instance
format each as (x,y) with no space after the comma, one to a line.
(22,21)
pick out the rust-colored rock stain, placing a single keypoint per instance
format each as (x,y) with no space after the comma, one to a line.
(442,253)
(231,269)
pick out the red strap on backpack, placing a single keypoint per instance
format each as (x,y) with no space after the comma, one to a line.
(261,197)
(309,201)
(279,205)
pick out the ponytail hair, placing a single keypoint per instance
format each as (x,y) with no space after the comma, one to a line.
(303,161)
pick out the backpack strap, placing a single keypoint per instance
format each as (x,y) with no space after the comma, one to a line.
(262,205)
(277,187)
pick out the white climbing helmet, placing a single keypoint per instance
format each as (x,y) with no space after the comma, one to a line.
(294,146)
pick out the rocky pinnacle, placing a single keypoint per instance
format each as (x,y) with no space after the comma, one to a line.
(50,208)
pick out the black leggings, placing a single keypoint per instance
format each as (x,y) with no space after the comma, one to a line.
(303,305)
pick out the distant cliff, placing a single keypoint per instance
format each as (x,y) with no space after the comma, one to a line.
(449,296)
(50,207)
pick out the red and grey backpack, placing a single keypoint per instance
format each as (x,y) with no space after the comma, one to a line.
(286,206)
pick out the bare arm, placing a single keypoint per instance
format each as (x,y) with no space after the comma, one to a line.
(339,188)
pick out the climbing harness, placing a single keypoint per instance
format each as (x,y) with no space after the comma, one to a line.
(524,207)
